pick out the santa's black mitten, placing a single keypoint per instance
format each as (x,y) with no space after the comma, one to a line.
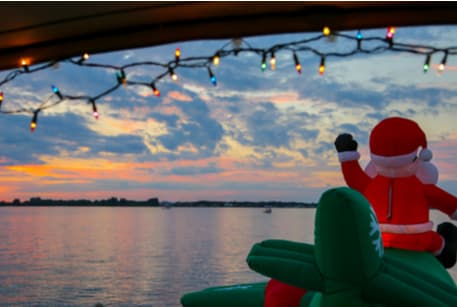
(345,142)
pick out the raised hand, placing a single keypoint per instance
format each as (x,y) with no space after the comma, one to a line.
(345,142)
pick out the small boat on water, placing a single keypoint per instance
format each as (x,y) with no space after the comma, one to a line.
(267,209)
(167,205)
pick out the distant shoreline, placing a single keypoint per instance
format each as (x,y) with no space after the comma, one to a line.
(153,202)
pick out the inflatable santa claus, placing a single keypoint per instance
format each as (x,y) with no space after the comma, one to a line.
(400,184)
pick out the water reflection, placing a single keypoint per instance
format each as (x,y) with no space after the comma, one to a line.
(133,256)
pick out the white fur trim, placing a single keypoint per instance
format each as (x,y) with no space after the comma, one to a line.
(408,228)
(394,161)
(370,169)
(425,154)
(348,156)
(427,172)
(454,215)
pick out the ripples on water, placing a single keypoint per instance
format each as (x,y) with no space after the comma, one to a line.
(133,256)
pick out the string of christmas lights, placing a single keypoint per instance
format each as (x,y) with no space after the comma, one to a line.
(239,46)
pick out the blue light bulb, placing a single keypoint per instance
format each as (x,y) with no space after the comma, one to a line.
(359,35)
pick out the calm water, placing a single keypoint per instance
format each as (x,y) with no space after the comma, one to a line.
(133,256)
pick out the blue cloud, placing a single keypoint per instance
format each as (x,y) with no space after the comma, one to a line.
(56,133)
(18,144)
(200,129)
(265,127)
(430,97)
(171,120)
(308,134)
(324,147)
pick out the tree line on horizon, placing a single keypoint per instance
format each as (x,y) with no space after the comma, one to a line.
(152,202)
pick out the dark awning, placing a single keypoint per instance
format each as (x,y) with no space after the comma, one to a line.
(45,31)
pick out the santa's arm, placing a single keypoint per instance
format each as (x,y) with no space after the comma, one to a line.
(348,156)
(441,200)
(353,174)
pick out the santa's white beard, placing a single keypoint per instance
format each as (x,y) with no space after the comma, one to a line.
(397,172)
(425,171)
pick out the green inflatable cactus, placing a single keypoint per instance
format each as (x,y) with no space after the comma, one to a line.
(346,266)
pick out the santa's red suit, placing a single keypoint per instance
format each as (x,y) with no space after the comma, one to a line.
(278,294)
(400,199)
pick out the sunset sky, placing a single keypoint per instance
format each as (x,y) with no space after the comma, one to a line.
(255,136)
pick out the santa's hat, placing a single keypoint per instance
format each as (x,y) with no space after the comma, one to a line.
(395,142)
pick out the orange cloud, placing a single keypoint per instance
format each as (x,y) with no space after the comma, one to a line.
(170,110)
(284,98)
(72,170)
(113,126)
(179,96)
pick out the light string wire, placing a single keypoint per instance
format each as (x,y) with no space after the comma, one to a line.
(239,46)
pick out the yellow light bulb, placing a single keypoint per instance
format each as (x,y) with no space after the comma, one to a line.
(326,31)
(216,60)
(273,63)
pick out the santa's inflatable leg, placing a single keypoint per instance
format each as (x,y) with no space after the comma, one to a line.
(449,232)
